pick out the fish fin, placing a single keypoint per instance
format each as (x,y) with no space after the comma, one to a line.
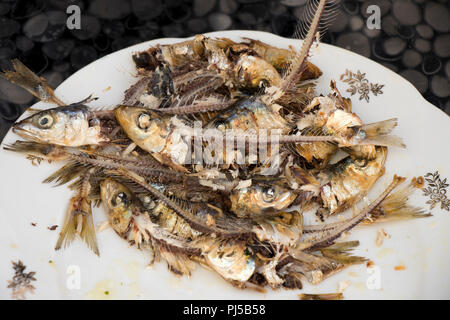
(40,150)
(378,133)
(339,252)
(27,79)
(292,281)
(67,173)
(313,267)
(344,103)
(396,207)
(88,230)
(138,234)
(380,128)
(78,221)
(179,264)
(385,140)
(68,232)
(26,147)
(321,296)
(312,260)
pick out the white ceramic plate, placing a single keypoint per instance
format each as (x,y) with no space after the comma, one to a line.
(421,246)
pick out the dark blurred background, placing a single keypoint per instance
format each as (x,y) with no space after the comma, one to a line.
(414,39)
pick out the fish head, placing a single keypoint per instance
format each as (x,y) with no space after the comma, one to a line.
(255,72)
(351,179)
(148,129)
(232,260)
(369,167)
(260,197)
(67,126)
(118,201)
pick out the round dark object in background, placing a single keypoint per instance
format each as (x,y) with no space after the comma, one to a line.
(431,65)
(355,42)
(82,56)
(417,79)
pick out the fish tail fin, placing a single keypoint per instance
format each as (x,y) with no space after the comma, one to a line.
(78,221)
(68,232)
(38,150)
(378,133)
(321,296)
(66,173)
(340,252)
(27,79)
(87,233)
(396,207)
(179,264)
(25,147)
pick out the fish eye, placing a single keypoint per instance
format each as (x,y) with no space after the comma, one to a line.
(144,120)
(268,194)
(115,221)
(361,162)
(45,121)
(120,199)
(362,134)
(221,125)
(264,83)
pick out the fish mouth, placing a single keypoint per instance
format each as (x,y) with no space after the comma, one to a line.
(24,133)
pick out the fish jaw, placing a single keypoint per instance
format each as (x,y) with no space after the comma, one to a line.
(19,129)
